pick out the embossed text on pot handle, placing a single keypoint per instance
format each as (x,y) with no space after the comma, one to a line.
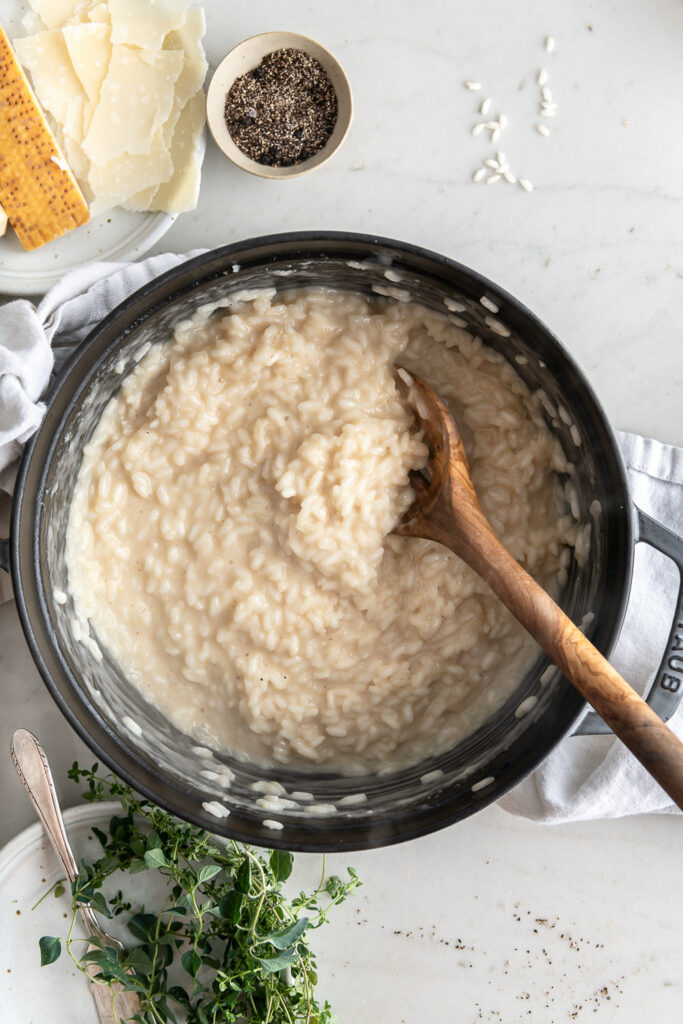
(666,691)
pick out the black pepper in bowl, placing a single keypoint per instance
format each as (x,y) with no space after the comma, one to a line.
(284,111)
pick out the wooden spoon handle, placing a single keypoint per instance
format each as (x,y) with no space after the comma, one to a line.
(657,748)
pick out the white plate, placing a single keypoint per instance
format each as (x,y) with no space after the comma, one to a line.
(115,235)
(29,993)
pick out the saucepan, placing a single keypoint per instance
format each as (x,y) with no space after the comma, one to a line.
(166,765)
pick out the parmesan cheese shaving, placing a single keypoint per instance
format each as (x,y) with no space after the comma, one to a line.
(99,14)
(55,13)
(47,59)
(136,99)
(77,118)
(144,24)
(188,38)
(113,183)
(40,195)
(78,162)
(89,47)
(182,191)
(122,83)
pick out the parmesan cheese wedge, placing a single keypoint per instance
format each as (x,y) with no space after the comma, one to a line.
(37,190)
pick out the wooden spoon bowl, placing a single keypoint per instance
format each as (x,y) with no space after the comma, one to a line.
(446,510)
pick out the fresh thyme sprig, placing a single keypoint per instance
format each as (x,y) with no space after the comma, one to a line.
(241,944)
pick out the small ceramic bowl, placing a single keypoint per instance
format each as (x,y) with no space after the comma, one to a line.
(245,57)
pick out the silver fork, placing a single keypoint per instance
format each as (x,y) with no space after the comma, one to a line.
(32,768)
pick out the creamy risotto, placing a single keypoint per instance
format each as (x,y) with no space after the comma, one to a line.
(230,534)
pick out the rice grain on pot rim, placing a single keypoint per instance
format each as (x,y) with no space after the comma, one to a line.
(229,538)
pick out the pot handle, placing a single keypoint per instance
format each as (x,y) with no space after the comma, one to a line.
(667,687)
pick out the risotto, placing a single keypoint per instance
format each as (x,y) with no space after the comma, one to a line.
(230,543)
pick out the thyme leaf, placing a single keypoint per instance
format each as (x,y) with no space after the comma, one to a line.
(238,944)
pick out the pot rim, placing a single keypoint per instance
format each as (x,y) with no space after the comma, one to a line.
(94,731)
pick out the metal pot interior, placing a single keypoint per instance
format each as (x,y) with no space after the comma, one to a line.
(164,763)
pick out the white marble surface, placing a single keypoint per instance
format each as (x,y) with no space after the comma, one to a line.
(494,919)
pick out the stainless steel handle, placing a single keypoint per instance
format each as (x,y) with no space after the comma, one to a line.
(666,690)
(32,768)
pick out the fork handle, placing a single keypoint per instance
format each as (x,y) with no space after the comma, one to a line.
(113,1003)
(34,772)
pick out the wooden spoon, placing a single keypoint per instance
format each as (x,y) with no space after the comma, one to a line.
(446,510)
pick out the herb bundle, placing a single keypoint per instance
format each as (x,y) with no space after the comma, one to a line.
(240,945)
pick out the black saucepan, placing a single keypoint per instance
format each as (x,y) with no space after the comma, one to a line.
(166,765)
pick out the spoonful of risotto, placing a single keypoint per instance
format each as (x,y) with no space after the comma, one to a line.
(446,510)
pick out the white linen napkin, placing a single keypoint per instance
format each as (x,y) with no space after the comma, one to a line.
(585,777)
(596,776)
(35,340)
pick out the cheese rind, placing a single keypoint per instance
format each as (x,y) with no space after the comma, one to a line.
(37,190)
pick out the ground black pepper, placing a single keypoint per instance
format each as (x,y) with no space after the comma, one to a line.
(284,111)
